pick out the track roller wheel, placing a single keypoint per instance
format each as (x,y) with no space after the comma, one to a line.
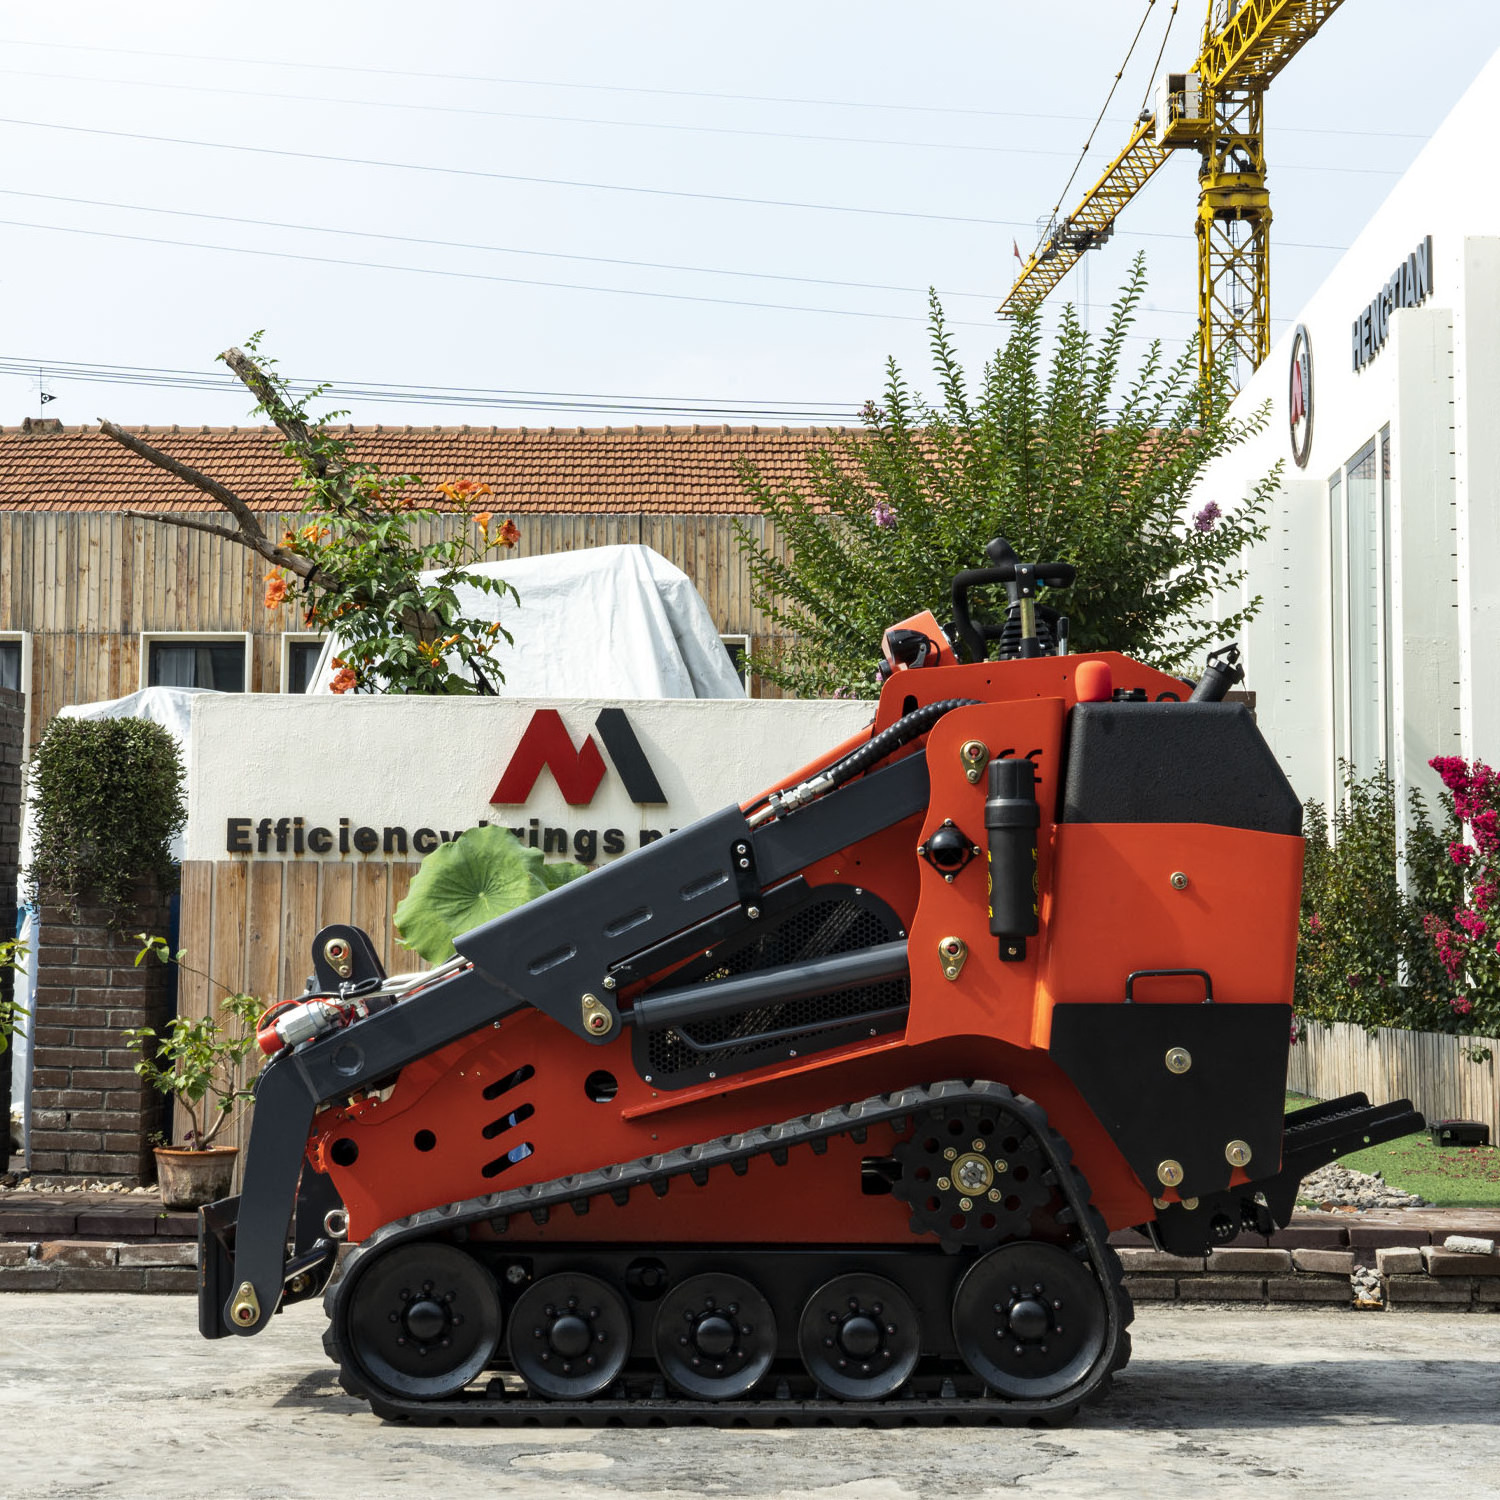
(569,1336)
(859,1337)
(715,1336)
(1029,1319)
(424,1321)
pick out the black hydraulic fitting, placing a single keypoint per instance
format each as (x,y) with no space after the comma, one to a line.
(1221,674)
(1011,819)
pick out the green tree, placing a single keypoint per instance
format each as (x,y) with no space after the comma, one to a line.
(353,566)
(1080,463)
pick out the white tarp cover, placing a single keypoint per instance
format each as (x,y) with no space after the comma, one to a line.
(602,622)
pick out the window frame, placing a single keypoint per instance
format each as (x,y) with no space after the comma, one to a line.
(738,638)
(290,638)
(25,638)
(1376,451)
(149,638)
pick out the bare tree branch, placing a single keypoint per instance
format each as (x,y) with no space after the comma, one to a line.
(249,533)
(292,427)
(192,523)
(189,475)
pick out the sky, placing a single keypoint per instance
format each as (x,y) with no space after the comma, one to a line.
(591,214)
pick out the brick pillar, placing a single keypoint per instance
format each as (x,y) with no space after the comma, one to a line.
(12,728)
(90,1114)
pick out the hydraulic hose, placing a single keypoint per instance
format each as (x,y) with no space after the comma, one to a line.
(907,728)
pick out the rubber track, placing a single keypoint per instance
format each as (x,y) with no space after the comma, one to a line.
(449,1222)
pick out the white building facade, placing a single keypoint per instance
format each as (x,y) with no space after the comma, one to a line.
(1380,576)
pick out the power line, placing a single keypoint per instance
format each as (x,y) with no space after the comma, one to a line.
(409,239)
(568,286)
(514,114)
(609,187)
(601,187)
(615,124)
(617,88)
(602,260)
(452,396)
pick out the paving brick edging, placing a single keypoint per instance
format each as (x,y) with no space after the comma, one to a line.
(1415,1276)
(98,1266)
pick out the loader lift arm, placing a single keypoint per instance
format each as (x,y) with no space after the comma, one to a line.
(679,880)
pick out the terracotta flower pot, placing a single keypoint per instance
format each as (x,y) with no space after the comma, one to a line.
(189,1179)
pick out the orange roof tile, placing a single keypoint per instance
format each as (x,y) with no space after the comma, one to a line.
(661,470)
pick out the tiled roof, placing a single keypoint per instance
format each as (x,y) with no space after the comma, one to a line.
(662,470)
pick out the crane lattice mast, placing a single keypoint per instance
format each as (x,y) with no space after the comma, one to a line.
(1218,108)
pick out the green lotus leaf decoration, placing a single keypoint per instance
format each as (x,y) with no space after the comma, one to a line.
(480,875)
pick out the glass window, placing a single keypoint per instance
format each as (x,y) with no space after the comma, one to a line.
(1386,610)
(301,658)
(1365,568)
(10,665)
(1340,619)
(738,647)
(200,664)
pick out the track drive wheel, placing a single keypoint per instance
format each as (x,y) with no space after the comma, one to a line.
(973,1174)
(569,1336)
(715,1336)
(424,1321)
(1029,1319)
(859,1337)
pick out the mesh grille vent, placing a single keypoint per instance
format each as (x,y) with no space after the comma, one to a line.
(822,927)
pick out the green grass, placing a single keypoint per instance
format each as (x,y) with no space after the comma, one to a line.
(1467,1177)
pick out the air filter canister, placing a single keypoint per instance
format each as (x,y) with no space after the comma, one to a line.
(1011,819)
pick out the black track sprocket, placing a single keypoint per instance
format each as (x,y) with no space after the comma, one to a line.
(973,1175)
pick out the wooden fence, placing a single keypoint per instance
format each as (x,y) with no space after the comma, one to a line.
(1439,1074)
(248,927)
(87,585)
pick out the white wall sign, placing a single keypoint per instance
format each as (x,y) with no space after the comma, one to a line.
(299,778)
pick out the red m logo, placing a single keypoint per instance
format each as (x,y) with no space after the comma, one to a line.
(577,770)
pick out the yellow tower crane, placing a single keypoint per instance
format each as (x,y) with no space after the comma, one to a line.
(1217,107)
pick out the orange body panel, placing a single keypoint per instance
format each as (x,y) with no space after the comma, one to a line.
(1106,906)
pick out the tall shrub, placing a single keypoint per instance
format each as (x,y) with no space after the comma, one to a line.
(1082,462)
(1363,953)
(108,797)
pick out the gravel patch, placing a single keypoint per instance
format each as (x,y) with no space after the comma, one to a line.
(1334,1186)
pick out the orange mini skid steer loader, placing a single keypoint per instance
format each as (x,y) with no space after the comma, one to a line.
(822,1108)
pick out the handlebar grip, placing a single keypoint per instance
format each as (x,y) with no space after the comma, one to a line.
(1056,575)
(973,639)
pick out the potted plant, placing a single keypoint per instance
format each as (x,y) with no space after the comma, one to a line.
(197,1062)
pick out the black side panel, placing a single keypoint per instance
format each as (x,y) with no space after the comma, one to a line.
(1231,1090)
(1174,763)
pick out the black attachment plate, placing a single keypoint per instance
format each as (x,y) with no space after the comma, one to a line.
(1232,1090)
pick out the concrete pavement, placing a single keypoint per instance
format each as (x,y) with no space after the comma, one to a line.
(115,1396)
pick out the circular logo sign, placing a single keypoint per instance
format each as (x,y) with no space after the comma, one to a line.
(1300,397)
